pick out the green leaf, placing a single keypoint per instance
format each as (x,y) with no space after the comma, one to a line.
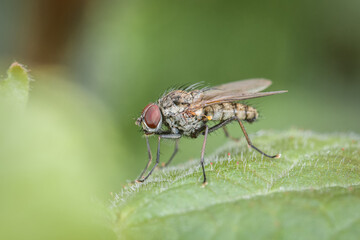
(15,88)
(311,192)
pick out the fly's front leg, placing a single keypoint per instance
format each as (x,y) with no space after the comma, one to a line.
(156,163)
(203,153)
(251,145)
(150,159)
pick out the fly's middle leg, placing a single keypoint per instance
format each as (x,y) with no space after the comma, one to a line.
(203,153)
(176,149)
(251,145)
(227,134)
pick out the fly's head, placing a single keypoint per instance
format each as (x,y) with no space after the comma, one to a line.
(151,119)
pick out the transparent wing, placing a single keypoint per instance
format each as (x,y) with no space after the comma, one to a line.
(233,92)
(233,97)
(242,86)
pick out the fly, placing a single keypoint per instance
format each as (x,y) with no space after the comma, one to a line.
(187,113)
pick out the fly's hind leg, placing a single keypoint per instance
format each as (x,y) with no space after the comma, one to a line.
(223,125)
(220,125)
(251,145)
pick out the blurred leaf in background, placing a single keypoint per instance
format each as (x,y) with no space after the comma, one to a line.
(14,90)
(59,161)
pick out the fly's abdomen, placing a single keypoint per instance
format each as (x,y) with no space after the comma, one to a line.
(224,111)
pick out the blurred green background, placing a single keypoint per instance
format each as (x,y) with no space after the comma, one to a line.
(96,64)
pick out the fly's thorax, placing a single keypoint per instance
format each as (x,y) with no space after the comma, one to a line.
(173,107)
(180,98)
(174,102)
(186,124)
(224,111)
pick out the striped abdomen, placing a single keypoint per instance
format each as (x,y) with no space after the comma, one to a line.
(224,111)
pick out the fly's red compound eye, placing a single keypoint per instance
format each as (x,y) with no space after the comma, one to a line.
(145,108)
(152,116)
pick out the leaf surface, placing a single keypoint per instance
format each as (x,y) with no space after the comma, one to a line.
(311,192)
(15,88)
